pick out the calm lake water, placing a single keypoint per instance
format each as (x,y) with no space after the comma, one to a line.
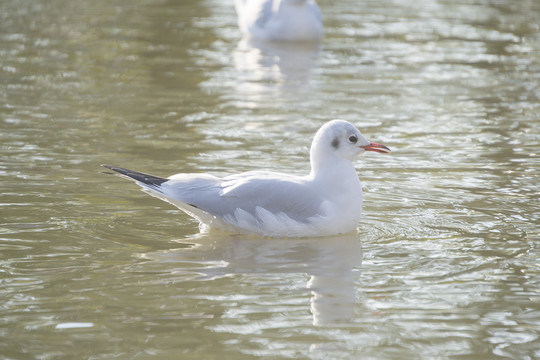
(445,263)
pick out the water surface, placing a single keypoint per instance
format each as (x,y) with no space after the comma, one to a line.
(444,263)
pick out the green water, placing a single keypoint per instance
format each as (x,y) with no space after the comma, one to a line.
(445,263)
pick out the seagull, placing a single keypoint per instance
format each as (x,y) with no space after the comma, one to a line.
(326,202)
(280,20)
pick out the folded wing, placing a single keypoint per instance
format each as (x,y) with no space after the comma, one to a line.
(276,193)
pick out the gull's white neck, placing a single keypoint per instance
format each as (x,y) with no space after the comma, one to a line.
(338,173)
(336,180)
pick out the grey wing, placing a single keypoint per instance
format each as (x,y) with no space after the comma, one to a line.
(277,194)
(196,190)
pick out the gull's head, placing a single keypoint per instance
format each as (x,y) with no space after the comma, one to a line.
(339,139)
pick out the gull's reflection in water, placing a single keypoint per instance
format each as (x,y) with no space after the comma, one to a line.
(328,263)
(262,62)
(332,280)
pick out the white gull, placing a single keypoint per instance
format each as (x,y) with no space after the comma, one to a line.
(280,20)
(327,201)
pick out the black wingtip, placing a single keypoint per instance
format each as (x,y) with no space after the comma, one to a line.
(143,178)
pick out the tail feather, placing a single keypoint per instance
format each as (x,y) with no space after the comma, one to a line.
(146,179)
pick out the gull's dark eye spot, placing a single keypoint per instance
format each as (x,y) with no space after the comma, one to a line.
(353,139)
(335,143)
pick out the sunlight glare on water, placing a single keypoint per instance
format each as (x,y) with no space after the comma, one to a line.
(445,263)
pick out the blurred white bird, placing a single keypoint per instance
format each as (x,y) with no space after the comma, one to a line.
(327,201)
(280,20)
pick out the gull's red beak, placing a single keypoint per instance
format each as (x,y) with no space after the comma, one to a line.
(377,148)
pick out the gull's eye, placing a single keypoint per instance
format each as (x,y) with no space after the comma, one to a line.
(353,139)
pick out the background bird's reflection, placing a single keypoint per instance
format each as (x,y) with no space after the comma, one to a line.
(275,62)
